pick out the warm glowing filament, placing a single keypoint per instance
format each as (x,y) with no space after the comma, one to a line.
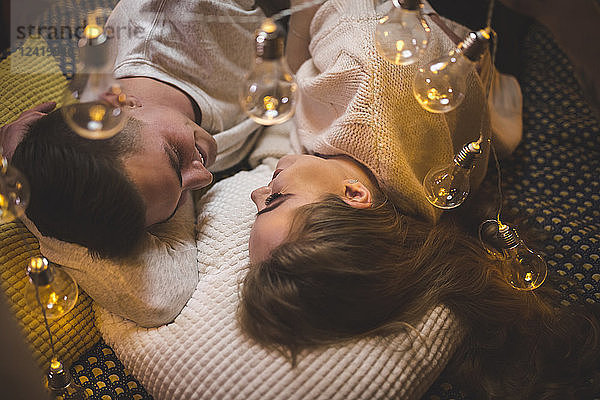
(92,31)
(97,112)
(52,299)
(3,202)
(270,103)
(268,26)
(55,365)
(400,45)
(434,94)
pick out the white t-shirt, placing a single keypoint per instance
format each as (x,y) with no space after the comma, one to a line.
(203,47)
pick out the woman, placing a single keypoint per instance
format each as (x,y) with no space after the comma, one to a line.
(338,250)
(353,265)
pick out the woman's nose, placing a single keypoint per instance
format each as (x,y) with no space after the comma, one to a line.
(257,194)
(196,176)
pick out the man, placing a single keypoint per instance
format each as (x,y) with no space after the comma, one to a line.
(180,67)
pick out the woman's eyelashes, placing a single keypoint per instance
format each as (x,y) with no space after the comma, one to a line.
(272,197)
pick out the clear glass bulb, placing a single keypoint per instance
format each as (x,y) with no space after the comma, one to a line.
(401,36)
(93,102)
(14,192)
(447,187)
(440,86)
(522,268)
(58,292)
(269,92)
(93,106)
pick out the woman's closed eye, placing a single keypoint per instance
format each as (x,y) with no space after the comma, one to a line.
(272,197)
(273,201)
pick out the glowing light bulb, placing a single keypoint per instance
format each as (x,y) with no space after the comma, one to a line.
(14,192)
(61,384)
(57,290)
(440,86)
(402,35)
(522,268)
(93,102)
(449,186)
(269,92)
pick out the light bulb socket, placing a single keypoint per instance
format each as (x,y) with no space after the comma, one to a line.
(411,5)
(94,40)
(467,155)
(269,41)
(474,45)
(509,236)
(40,271)
(58,377)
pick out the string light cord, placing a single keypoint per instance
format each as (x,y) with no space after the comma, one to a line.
(499,183)
(490,14)
(487,95)
(225,19)
(37,296)
(300,7)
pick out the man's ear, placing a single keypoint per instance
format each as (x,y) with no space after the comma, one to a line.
(356,194)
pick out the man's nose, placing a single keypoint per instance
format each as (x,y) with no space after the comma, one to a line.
(196,177)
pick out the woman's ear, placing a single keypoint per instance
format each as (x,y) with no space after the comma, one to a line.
(356,194)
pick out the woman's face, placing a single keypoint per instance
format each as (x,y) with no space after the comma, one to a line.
(172,159)
(300,180)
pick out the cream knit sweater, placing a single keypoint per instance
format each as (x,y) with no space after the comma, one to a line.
(354,102)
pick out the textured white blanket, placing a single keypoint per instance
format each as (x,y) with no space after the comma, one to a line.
(204,355)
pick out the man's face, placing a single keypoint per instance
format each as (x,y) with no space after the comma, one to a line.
(171,159)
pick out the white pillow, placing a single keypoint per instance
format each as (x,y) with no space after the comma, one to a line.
(204,355)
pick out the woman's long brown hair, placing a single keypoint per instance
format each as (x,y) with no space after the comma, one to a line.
(345,273)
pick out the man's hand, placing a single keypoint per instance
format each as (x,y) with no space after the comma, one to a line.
(11,134)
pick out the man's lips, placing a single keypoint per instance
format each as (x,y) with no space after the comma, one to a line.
(202,153)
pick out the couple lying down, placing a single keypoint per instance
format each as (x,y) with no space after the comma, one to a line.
(344,244)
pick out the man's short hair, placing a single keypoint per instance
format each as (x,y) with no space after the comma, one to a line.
(80,192)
